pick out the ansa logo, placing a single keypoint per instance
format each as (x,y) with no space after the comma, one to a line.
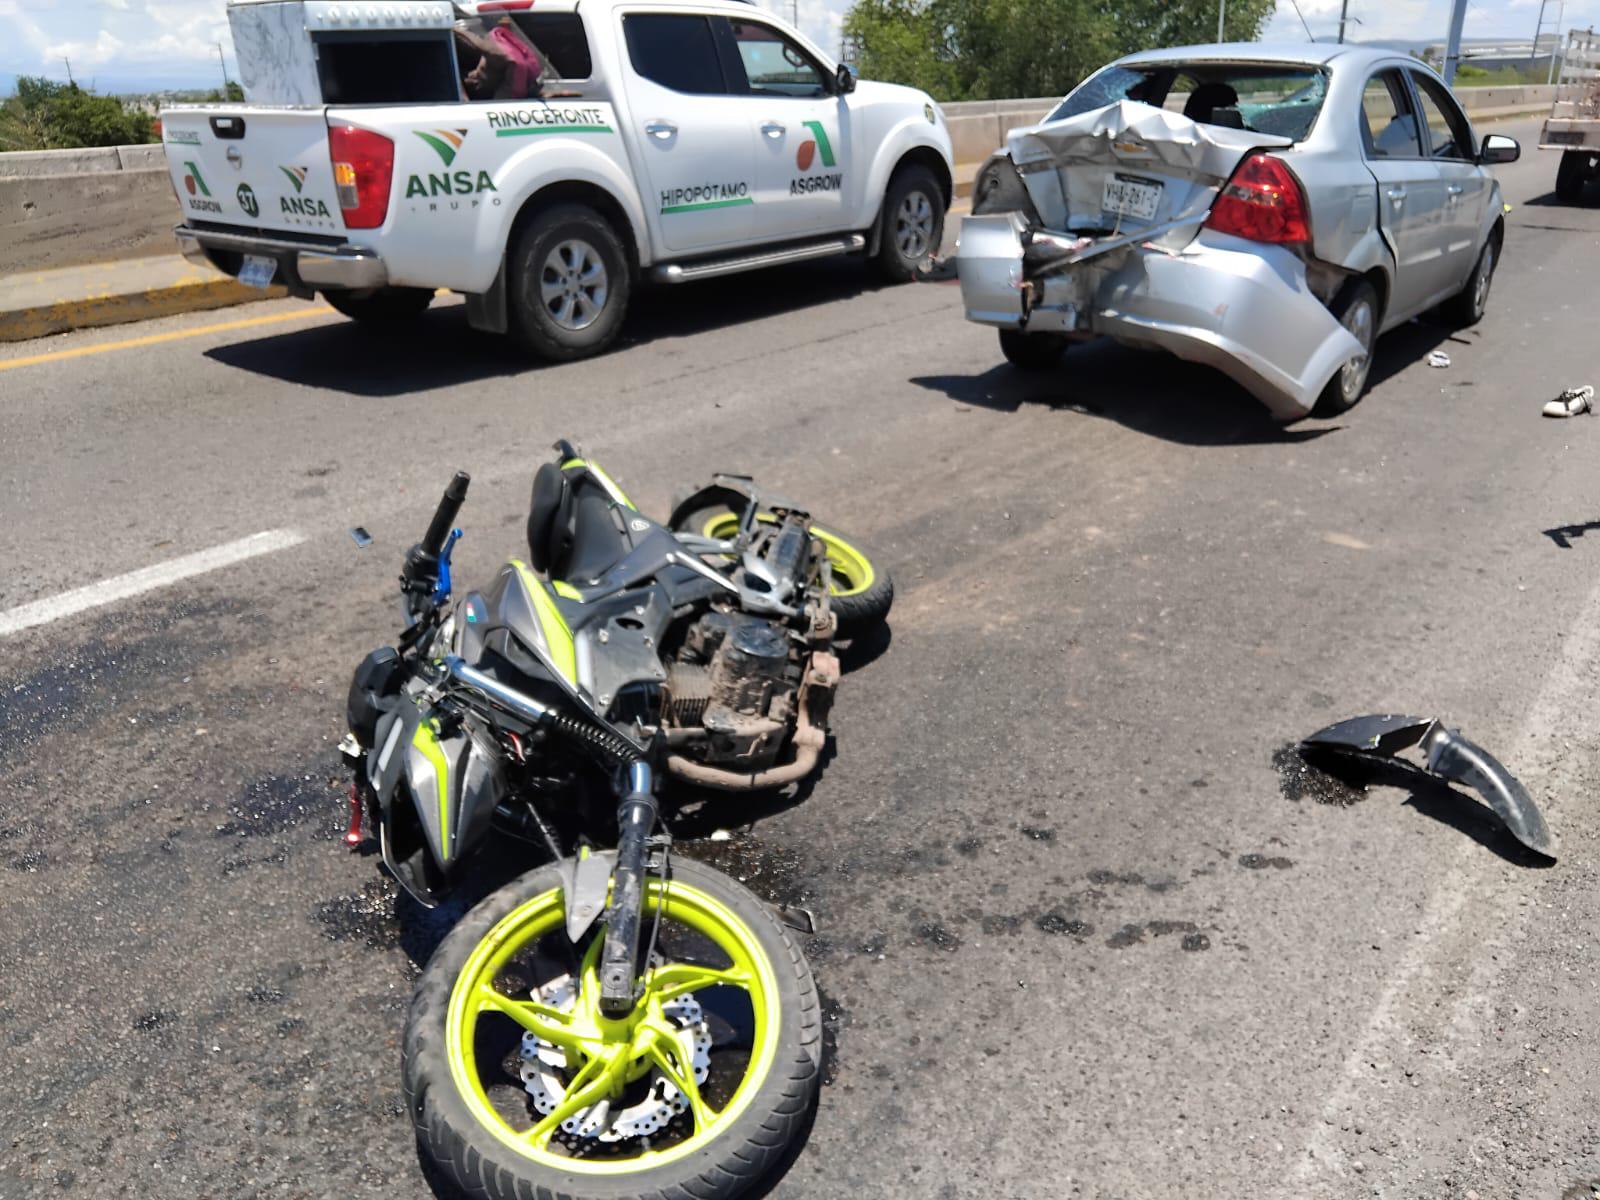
(446,143)
(298,205)
(804,157)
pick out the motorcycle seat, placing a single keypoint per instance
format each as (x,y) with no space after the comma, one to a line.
(576,527)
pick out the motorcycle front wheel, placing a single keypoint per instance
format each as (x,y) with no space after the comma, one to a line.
(520,1087)
(862,591)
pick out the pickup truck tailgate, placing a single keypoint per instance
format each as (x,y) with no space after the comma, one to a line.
(253,168)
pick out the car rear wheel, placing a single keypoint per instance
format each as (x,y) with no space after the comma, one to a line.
(381,306)
(1031,351)
(569,283)
(913,223)
(1357,310)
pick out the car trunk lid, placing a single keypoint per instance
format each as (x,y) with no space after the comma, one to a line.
(1129,169)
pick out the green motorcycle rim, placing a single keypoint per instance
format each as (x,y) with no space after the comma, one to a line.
(852,570)
(614,1053)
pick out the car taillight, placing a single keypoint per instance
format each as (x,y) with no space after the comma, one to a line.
(1262,201)
(363,169)
(505,6)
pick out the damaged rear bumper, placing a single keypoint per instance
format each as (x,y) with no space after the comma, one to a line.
(1241,307)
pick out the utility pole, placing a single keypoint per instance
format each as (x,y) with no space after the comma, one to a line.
(1344,15)
(1222,11)
(68,61)
(1452,49)
(224,62)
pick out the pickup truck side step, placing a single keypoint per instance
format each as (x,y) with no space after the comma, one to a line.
(708,268)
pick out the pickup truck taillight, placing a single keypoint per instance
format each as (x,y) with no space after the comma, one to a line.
(1262,201)
(363,169)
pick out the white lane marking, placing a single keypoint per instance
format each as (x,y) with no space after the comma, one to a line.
(1565,688)
(120,587)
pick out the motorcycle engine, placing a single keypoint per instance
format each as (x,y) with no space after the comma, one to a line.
(737,677)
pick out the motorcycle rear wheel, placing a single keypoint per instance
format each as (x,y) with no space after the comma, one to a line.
(862,591)
(467,1094)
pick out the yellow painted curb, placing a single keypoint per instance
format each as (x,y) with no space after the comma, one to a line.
(20,325)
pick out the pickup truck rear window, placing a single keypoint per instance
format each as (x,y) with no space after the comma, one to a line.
(1275,98)
(387,67)
(676,51)
(561,39)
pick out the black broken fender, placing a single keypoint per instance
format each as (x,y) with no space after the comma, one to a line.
(1450,757)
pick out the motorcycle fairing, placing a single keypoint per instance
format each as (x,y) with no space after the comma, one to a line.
(437,789)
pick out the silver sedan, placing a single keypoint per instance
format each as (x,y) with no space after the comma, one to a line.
(1268,210)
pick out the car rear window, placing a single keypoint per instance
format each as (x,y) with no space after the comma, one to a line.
(1272,98)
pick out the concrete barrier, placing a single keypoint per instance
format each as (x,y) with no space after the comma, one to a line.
(49,221)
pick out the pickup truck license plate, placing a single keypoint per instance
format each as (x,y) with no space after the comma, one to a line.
(258,270)
(1126,197)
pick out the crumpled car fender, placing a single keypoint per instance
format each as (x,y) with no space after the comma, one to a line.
(1448,756)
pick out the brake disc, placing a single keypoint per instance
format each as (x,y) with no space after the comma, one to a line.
(544,1065)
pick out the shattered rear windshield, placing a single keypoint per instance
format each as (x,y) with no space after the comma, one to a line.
(1271,98)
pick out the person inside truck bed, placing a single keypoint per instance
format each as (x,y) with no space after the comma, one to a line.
(500,62)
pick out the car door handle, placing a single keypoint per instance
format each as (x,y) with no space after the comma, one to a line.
(660,130)
(1454,189)
(773,129)
(1397,194)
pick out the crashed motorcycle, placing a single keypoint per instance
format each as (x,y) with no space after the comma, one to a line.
(620,1022)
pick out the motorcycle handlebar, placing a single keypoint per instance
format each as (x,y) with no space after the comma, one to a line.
(445,515)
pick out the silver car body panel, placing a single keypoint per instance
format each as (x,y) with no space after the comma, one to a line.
(1258,312)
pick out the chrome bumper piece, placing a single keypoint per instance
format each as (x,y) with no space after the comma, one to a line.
(312,267)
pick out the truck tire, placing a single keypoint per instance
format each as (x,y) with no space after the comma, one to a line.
(913,223)
(381,306)
(569,283)
(1571,175)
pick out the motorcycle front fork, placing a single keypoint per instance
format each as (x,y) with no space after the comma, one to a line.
(636,819)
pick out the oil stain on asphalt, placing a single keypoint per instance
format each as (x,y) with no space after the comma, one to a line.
(1299,780)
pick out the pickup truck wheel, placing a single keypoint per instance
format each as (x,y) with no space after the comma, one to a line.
(1571,175)
(1031,351)
(913,223)
(381,306)
(570,283)
(1357,310)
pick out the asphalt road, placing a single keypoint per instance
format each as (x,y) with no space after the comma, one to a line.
(1076,937)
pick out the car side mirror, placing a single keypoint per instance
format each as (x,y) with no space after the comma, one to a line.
(1498,148)
(845,81)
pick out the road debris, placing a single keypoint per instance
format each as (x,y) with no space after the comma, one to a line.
(1438,358)
(1448,756)
(1571,402)
(362,538)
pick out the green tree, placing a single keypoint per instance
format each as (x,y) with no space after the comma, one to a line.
(44,115)
(997,49)
(231,92)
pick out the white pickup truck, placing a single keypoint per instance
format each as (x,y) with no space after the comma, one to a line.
(616,141)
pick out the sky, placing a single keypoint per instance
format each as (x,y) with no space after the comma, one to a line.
(138,45)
